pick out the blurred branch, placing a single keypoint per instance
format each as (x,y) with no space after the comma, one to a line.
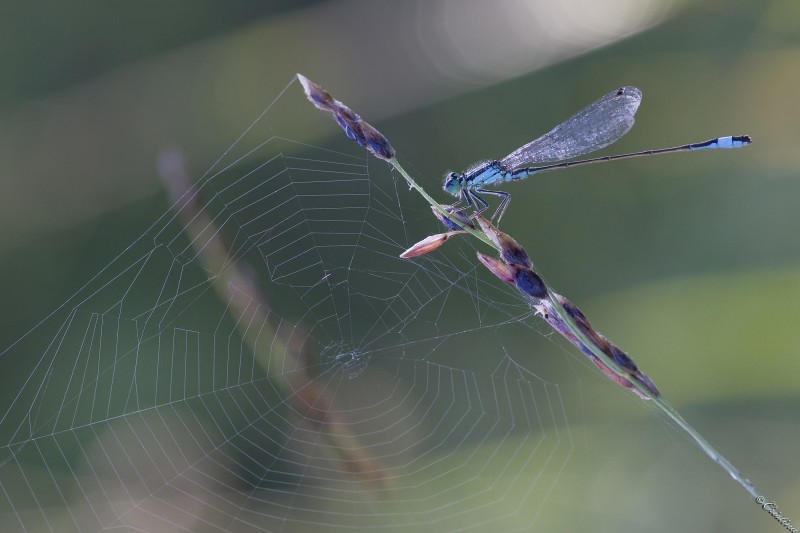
(274,348)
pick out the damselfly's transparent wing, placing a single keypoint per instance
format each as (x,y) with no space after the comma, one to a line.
(594,127)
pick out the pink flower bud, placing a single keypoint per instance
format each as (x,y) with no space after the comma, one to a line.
(497,267)
(428,244)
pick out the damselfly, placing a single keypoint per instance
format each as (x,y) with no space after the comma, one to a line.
(594,127)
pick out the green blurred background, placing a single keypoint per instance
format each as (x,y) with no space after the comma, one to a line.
(690,262)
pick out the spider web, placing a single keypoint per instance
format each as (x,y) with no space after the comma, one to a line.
(160,396)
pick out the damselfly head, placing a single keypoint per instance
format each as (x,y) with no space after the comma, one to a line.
(452,183)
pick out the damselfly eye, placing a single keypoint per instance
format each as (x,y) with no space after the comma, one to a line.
(452,183)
